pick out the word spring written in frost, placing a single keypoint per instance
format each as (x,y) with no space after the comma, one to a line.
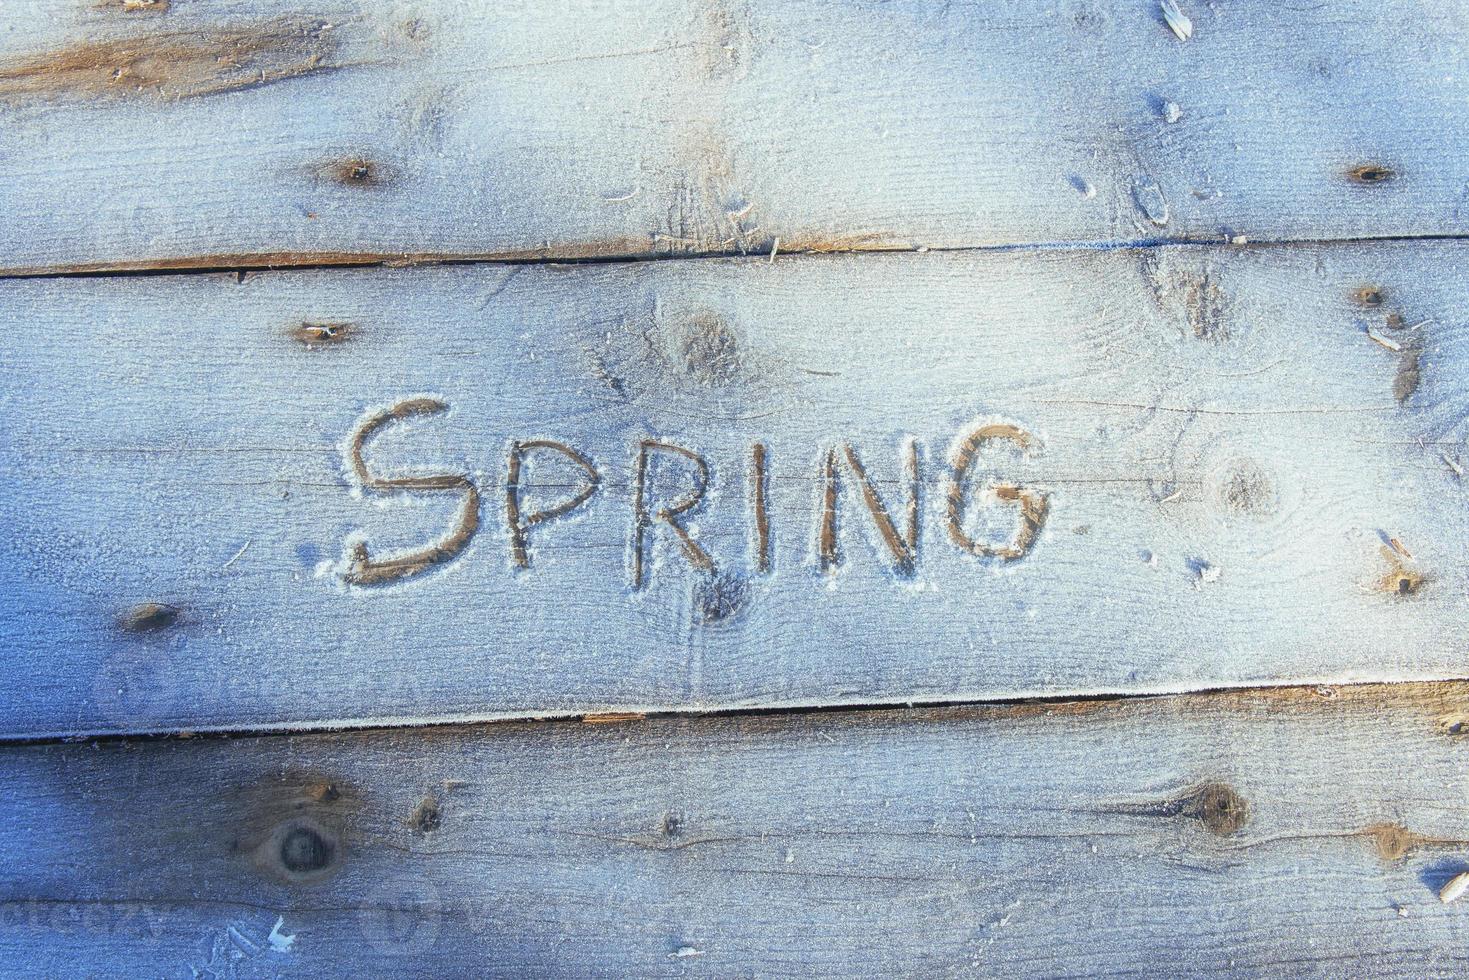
(842,473)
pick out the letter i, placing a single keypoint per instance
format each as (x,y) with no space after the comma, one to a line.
(759,492)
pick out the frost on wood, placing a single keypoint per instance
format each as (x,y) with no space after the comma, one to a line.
(721,127)
(1185,829)
(887,456)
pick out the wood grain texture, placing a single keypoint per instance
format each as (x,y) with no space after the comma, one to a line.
(1244,467)
(1242,835)
(225,132)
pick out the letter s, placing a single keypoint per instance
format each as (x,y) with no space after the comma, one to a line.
(362,568)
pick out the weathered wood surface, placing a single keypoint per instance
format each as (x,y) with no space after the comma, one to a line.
(1300,833)
(1243,468)
(1071,457)
(223,132)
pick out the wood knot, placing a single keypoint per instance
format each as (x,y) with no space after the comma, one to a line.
(426,817)
(1219,808)
(1244,488)
(1371,173)
(708,350)
(148,617)
(289,825)
(719,598)
(305,850)
(323,792)
(1392,841)
(415,29)
(302,850)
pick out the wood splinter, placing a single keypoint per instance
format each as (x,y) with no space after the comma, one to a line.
(1454,888)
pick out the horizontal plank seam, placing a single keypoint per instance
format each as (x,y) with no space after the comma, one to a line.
(1324,689)
(275,262)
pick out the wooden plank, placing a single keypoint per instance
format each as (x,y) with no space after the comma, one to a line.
(1176,468)
(1244,835)
(221,132)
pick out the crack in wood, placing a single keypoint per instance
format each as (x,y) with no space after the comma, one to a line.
(1439,698)
(634,250)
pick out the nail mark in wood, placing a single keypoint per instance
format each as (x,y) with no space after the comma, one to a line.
(1033,504)
(1401,579)
(1368,295)
(1371,173)
(315,335)
(903,547)
(520,524)
(355,171)
(643,519)
(365,570)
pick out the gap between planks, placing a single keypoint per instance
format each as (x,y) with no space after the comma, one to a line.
(1229,696)
(290,261)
